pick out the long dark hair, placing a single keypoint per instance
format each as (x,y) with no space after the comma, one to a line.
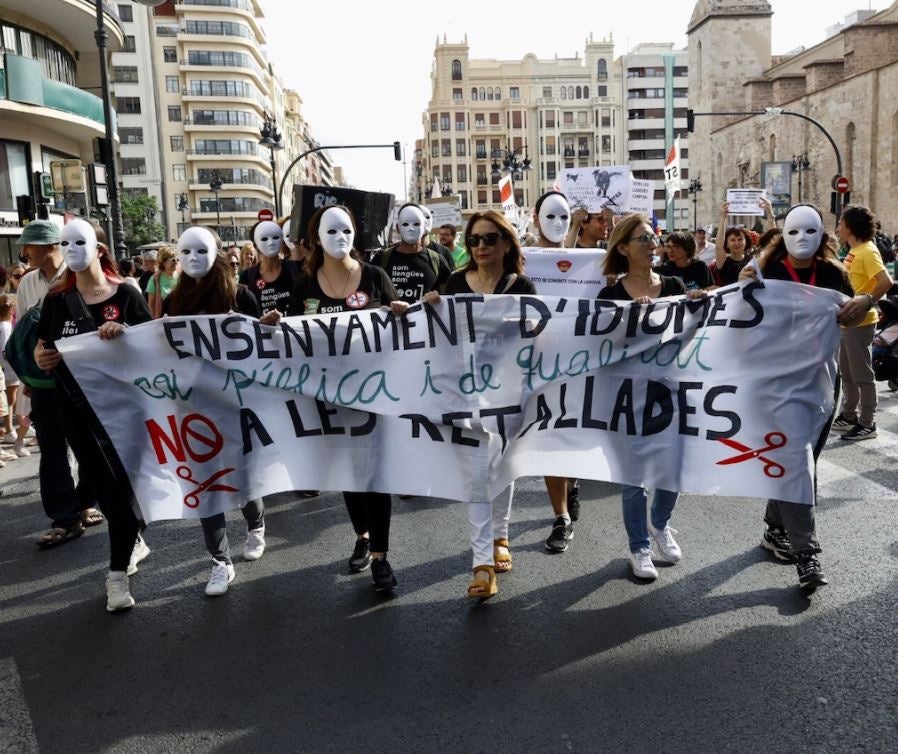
(214,293)
(514,259)
(316,251)
(826,251)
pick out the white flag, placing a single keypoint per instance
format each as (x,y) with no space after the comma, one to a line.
(436,192)
(672,170)
(506,196)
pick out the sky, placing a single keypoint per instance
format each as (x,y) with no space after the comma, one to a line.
(364,74)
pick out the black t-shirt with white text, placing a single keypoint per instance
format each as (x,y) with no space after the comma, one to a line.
(276,294)
(125,306)
(694,275)
(413,275)
(375,290)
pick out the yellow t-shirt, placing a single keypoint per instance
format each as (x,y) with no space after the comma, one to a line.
(863,264)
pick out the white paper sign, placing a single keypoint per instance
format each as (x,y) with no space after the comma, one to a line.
(745,201)
(575,273)
(445,213)
(721,396)
(596,188)
(642,194)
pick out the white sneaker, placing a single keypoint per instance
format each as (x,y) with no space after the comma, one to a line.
(5,455)
(641,564)
(668,549)
(222,575)
(20,450)
(118,597)
(139,552)
(255,543)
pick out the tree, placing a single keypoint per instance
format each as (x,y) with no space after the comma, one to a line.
(139,216)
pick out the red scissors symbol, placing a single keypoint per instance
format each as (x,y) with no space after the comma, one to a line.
(772,469)
(192,499)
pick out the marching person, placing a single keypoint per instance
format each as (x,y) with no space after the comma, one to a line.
(336,280)
(680,247)
(272,279)
(805,254)
(589,230)
(90,296)
(163,280)
(496,266)
(444,250)
(207,286)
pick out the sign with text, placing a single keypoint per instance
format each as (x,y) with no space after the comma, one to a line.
(596,188)
(371,211)
(724,395)
(746,201)
(641,195)
(445,212)
(506,196)
(575,273)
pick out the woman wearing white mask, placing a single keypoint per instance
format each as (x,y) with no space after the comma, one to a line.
(207,286)
(92,297)
(272,280)
(805,254)
(336,280)
(553,221)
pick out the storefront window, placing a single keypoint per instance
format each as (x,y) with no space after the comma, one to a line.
(13,173)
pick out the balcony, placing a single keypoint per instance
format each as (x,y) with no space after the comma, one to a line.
(74,21)
(221,65)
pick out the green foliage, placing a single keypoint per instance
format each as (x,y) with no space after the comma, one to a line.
(139,216)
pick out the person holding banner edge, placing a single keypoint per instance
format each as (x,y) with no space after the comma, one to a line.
(272,279)
(335,280)
(495,267)
(805,254)
(92,297)
(207,286)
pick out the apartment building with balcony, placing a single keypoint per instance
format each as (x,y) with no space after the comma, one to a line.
(654,89)
(560,113)
(48,71)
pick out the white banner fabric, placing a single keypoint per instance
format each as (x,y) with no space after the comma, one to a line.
(596,188)
(724,396)
(574,273)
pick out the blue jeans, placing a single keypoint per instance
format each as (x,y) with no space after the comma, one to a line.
(635,515)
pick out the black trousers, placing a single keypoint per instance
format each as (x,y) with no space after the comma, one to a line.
(370,512)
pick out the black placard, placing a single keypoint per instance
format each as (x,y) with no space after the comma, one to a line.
(371,211)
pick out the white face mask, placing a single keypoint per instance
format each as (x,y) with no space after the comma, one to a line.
(286,229)
(197,252)
(411,225)
(428,219)
(267,237)
(802,232)
(335,233)
(79,245)
(554,218)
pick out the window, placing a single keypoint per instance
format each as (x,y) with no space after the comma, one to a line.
(582,118)
(464,199)
(233,175)
(177,143)
(550,119)
(474,93)
(456,70)
(459,121)
(516,119)
(15,173)
(514,92)
(606,118)
(579,92)
(602,91)
(447,176)
(481,197)
(585,92)
(547,92)
(124,74)
(133,166)
(172,84)
(125,13)
(169,55)
(482,93)
(568,118)
(174,113)
(489,92)
(462,174)
(433,121)
(479,119)
(435,149)
(481,176)
(225,118)
(179,172)
(602,70)
(606,144)
(494,119)
(480,149)
(446,148)
(498,93)
(563,92)
(460,148)
(129,44)
(127,105)
(444,121)
(570,92)
(130,135)
(550,145)
(457,95)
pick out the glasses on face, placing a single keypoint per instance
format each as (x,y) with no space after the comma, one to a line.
(235,264)
(17,275)
(646,238)
(489,239)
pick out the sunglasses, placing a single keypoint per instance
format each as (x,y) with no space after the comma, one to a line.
(489,239)
(646,238)
(235,264)
(17,276)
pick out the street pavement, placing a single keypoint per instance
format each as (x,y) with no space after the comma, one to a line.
(721,653)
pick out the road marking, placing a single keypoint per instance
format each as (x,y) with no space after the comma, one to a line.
(16,729)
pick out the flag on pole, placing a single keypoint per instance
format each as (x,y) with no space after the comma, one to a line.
(672,170)
(506,196)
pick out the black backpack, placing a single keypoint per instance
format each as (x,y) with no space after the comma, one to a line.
(884,244)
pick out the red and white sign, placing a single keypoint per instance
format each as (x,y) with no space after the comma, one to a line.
(506,196)
(265,214)
(842,184)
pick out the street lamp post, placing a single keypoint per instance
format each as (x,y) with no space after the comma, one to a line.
(800,164)
(510,162)
(695,185)
(215,186)
(271,138)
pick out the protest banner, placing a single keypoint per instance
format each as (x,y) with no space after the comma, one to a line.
(641,195)
(672,179)
(372,211)
(506,196)
(445,212)
(745,201)
(575,273)
(725,396)
(596,188)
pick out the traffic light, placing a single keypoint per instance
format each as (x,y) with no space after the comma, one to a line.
(397,151)
(25,209)
(690,120)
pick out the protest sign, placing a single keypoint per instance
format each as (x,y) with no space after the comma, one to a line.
(641,195)
(725,395)
(445,212)
(371,211)
(595,188)
(575,273)
(672,179)
(745,201)
(506,196)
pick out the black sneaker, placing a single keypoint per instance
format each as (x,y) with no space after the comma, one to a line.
(841,423)
(562,533)
(810,574)
(573,499)
(778,542)
(361,555)
(382,576)
(308,493)
(860,432)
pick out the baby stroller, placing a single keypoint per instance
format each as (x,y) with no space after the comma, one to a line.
(885,343)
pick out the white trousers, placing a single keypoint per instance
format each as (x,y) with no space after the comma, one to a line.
(489,521)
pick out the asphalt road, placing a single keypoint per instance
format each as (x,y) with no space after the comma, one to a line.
(721,653)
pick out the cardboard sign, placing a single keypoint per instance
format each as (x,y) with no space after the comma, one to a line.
(445,212)
(745,201)
(596,188)
(371,211)
(641,195)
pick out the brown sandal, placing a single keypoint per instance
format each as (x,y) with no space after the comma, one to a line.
(502,559)
(92,517)
(59,535)
(483,590)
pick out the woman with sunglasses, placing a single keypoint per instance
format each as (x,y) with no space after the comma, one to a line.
(14,275)
(631,250)
(495,267)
